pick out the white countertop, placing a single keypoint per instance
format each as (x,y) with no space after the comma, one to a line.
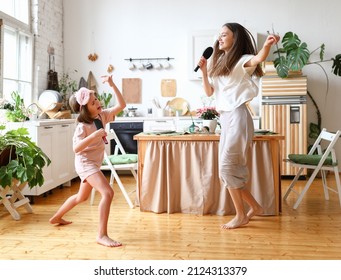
(44,122)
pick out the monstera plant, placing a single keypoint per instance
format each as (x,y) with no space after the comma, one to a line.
(294,55)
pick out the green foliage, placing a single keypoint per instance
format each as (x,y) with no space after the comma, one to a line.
(314,130)
(16,112)
(294,55)
(337,65)
(105,98)
(25,159)
(66,83)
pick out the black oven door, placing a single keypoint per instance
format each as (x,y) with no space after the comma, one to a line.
(125,131)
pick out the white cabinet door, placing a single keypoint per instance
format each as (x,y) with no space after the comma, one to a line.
(61,160)
(44,140)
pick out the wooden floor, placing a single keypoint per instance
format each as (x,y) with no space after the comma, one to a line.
(310,232)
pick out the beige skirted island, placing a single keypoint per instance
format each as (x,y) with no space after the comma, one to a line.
(179,174)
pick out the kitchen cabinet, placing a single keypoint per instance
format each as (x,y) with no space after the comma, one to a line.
(54,137)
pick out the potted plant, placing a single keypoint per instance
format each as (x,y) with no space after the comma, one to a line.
(66,86)
(16,112)
(210,117)
(293,56)
(105,99)
(20,158)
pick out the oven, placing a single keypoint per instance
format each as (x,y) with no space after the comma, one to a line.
(125,132)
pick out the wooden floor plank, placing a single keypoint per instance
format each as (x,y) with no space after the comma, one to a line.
(310,232)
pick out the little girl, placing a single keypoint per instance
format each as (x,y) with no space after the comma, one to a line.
(88,145)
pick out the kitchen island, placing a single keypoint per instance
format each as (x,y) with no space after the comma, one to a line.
(179,174)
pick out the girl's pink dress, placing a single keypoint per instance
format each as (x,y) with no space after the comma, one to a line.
(89,160)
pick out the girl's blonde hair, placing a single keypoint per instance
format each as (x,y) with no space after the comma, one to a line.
(223,63)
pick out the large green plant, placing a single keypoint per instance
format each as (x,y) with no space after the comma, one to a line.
(25,160)
(294,55)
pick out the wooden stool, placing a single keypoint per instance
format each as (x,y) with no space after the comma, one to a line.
(12,198)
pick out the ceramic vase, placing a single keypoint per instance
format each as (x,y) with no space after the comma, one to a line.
(211,124)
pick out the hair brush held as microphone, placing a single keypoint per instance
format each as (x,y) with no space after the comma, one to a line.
(99,125)
(207,54)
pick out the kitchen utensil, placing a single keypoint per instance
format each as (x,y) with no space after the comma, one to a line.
(168,87)
(48,97)
(132,112)
(132,90)
(155,101)
(179,103)
(149,66)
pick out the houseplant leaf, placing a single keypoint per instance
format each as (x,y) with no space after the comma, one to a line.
(298,57)
(282,67)
(290,41)
(337,65)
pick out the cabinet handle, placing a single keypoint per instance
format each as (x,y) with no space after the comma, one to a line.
(48,127)
(65,125)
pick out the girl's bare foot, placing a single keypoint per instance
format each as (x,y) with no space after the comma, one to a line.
(107,241)
(235,223)
(255,211)
(59,221)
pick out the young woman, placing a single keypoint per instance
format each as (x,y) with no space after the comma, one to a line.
(88,146)
(234,61)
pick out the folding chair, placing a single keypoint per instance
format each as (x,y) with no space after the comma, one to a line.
(317,160)
(115,162)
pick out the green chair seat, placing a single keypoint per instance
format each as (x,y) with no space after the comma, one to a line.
(310,159)
(121,159)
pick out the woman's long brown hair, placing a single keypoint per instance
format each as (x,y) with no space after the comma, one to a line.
(243,43)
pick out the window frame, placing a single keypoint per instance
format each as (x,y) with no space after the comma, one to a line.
(7,21)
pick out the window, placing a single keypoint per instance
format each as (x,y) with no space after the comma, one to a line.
(18,9)
(17,64)
(16,49)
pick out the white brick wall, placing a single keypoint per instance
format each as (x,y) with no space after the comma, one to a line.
(47,27)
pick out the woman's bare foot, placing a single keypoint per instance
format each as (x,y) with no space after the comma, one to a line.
(59,221)
(255,211)
(235,223)
(107,241)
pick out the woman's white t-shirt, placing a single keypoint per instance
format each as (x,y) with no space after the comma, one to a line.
(235,89)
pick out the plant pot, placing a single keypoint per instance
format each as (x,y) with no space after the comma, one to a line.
(6,155)
(210,124)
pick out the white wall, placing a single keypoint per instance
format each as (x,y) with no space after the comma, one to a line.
(119,29)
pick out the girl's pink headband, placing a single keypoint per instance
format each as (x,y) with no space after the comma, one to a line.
(83,96)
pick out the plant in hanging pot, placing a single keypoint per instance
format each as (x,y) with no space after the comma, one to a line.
(20,159)
(294,55)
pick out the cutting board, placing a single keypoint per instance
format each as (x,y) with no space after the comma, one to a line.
(132,90)
(168,87)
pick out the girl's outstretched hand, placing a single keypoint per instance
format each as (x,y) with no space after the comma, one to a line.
(272,39)
(106,79)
